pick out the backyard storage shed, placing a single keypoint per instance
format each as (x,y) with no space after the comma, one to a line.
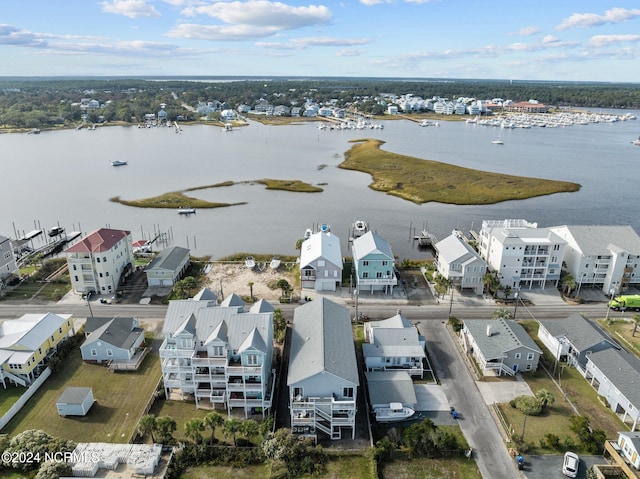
(75,401)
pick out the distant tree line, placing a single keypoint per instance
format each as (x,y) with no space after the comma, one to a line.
(35,103)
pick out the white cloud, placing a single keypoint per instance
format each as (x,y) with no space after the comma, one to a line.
(10,35)
(130,8)
(302,43)
(606,40)
(528,31)
(615,15)
(264,13)
(349,52)
(221,32)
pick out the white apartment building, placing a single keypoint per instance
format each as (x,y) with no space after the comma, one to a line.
(219,355)
(606,257)
(99,260)
(524,255)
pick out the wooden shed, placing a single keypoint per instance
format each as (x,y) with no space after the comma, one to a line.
(75,401)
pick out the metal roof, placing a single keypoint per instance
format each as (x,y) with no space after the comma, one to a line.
(74,395)
(370,243)
(597,240)
(169,259)
(321,245)
(386,387)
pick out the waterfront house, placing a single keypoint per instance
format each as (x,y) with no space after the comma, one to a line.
(227,115)
(389,387)
(75,401)
(8,264)
(168,266)
(373,264)
(616,376)
(393,344)
(629,443)
(111,339)
(219,356)
(323,373)
(27,341)
(500,346)
(524,255)
(321,262)
(459,262)
(571,339)
(99,261)
(606,257)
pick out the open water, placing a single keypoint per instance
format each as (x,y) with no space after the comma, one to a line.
(66,178)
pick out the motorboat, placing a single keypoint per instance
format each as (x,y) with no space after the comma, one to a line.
(186,210)
(396,412)
(55,231)
(250,262)
(118,162)
(275,263)
(359,228)
(307,234)
(497,142)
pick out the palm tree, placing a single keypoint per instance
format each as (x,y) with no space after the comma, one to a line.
(249,428)
(502,313)
(231,427)
(279,325)
(507,292)
(250,284)
(491,282)
(569,284)
(192,429)
(166,426)
(147,425)
(212,421)
(545,398)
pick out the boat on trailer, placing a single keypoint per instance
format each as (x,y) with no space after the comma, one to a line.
(275,263)
(396,412)
(250,262)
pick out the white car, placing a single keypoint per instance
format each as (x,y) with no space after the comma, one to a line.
(570,464)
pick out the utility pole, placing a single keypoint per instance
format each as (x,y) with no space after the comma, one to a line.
(515,310)
(451,301)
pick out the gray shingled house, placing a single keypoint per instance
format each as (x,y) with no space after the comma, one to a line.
(109,339)
(168,267)
(500,346)
(323,372)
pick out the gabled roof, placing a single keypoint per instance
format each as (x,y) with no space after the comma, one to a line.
(118,332)
(98,241)
(370,243)
(632,437)
(74,395)
(596,239)
(169,259)
(262,306)
(453,248)
(253,341)
(506,335)
(219,333)
(622,369)
(181,309)
(205,294)
(386,387)
(322,342)
(578,330)
(321,245)
(397,321)
(233,300)
(30,331)
(187,326)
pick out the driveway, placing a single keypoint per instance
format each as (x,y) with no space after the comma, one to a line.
(503,391)
(476,423)
(550,467)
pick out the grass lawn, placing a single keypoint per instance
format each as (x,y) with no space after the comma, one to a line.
(421,181)
(621,330)
(8,397)
(423,468)
(120,397)
(183,411)
(226,472)
(52,291)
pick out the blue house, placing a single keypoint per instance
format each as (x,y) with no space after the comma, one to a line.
(373,264)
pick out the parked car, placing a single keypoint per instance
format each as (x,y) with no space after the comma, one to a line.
(570,464)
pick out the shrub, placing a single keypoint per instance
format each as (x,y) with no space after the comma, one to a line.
(529,406)
(552,440)
(455,323)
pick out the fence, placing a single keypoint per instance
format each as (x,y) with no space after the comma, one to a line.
(22,400)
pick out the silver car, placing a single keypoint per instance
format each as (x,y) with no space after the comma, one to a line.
(570,464)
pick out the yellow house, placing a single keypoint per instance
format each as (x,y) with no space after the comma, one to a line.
(25,343)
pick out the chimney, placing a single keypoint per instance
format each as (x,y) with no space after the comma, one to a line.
(488,330)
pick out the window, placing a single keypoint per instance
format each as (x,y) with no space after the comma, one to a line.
(365,274)
(365,263)
(518,355)
(100,275)
(217,351)
(321,262)
(530,357)
(75,267)
(252,359)
(298,393)
(53,339)
(97,260)
(379,274)
(528,368)
(60,330)
(39,350)
(385,263)
(75,277)
(347,392)
(107,273)
(94,352)
(109,352)
(104,258)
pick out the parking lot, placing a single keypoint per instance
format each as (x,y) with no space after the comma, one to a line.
(550,467)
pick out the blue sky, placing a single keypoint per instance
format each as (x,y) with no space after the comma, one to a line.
(516,39)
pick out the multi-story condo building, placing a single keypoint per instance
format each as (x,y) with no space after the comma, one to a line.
(100,260)
(220,356)
(323,373)
(8,264)
(606,257)
(524,255)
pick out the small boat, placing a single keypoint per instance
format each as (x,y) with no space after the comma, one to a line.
(228,127)
(359,228)
(118,162)
(186,210)
(497,142)
(325,228)
(394,413)
(55,231)
(275,263)
(250,262)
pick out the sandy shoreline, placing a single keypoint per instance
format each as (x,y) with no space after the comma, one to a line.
(235,278)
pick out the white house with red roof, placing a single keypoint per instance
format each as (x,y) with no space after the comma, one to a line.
(100,260)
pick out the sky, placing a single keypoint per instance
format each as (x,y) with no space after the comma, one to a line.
(554,40)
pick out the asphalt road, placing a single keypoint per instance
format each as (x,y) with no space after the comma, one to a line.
(476,421)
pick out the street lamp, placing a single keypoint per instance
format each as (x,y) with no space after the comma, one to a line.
(611,293)
(515,310)
(355,295)
(582,277)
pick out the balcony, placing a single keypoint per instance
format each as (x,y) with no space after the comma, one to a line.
(253,370)
(391,280)
(170,351)
(205,361)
